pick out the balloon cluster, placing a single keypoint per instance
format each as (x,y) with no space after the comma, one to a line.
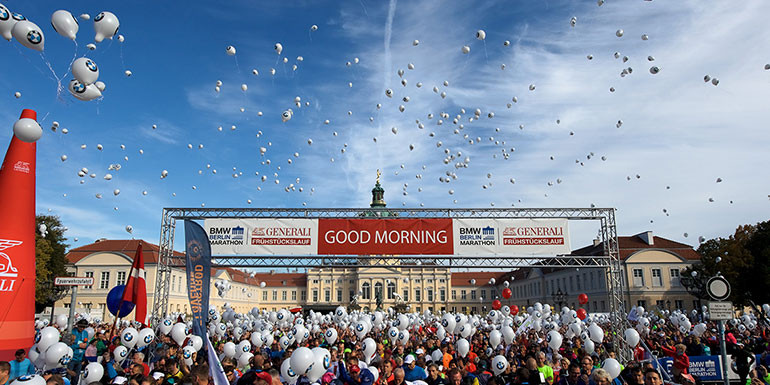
(222,287)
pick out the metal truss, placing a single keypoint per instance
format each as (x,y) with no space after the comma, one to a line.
(609,258)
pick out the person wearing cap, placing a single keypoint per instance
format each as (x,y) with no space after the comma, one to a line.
(79,345)
(412,372)
(354,375)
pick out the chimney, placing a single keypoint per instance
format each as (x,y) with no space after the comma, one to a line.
(597,242)
(647,237)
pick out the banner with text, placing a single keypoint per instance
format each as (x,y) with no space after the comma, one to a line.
(354,236)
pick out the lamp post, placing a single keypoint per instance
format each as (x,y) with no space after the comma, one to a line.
(559,296)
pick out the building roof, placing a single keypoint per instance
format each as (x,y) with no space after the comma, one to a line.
(271,279)
(630,245)
(482,277)
(128,247)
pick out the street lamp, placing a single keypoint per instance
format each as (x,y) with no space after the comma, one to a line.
(559,296)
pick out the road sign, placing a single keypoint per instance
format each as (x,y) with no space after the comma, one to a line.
(718,288)
(721,311)
(73,281)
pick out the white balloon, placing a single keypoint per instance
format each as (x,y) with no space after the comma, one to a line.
(330,335)
(58,355)
(288,374)
(499,364)
(7,20)
(554,340)
(230,51)
(129,336)
(179,333)
(187,354)
(494,338)
(612,366)
(165,326)
(65,24)
(61,319)
(29,35)
(632,337)
(84,92)
(508,334)
(93,372)
(596,333)
(301,360)
(146,337)
(229,349)
(369,348)
(244,359)
(481,35)
(463,347)
(33,379)
(278,48)
(196,342)
(106,25)
(85,70)
(589,346)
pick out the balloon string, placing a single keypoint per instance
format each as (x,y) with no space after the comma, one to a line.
(59,87)
(237,66)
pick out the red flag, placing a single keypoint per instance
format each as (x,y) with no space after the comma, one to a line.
(136,288)
(17,245)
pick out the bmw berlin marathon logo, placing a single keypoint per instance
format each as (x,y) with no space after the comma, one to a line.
(477,236)
(227,236)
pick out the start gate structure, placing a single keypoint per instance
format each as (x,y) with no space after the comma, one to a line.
(609,260)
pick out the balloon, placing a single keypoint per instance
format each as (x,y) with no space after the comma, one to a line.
(85,70)
(596,333)
(33,379)
(506,292)
(287,373)
(46,337)
(554,340)
(196,342)
(61,319)
(129,337)
(243,347)
(85,93)
(369,347)
(508,334)
(496,304)
(514,310)
(582,314)
(179,333)
(29,131)
(494,338)
(463,347)
(499,364)
(278,48)
(230,51)
(93,373)
(106,25)
(589,346)
(481,35)
(229,349)
(403,337)
(7,21)
(331,335)
(100,86)
(58,355)
(165,326)
(65,24)
(301,360)
(583,298)
(29,35)
(146,336)
(632,337)
(244,359)
(187,354)
(612,366)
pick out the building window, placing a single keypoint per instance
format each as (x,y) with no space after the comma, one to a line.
(578,282)
(315,295)
(604,306)
(473,294)
(352,294)
(454,295)
(327,281)
(303,295)
(264,296)
(442,295)
(657,279)
(679,304)
(121,278)
(570,284)
(595,308)
(327,295)
(378,290)
(293,295)
(429,293)
(275,295)
(493,294)
(283,295)
(366,291)
(315,281)
(638,277)
(104,282)
(464,309)
(417,295)
(442,280)
(339,295)
(430,280)
(661,304)
(391,290)
(473,310)
(406,295)
(641,303)
(675,277)
(67,305)
(89,274)
(463,296)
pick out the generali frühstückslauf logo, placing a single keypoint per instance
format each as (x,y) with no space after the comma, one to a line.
(21,166)
(6,264)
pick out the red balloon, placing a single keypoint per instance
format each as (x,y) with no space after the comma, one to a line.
(496,304)
(582,314)
(514,310)
(506,293)
(583,299)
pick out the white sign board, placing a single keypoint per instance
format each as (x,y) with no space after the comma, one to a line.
(73,281)
(721,311)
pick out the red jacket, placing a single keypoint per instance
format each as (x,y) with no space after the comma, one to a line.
(680,362)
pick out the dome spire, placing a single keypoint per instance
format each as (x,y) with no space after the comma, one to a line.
(377,193)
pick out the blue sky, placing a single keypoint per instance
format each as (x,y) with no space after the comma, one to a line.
(678,134)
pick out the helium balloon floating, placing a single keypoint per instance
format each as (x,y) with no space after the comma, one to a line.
(7,21)
(654,70)
(65,24)
(17,94)
(128,73)
(230,50)
(106,25)
(121,38)
(26,128)
(278,48)
(481,35)
(101,86)
(466,49)
(506,43)
(85,70)
(84,92)
(29,35)
(85,16)
(286,116)
(91,46)
(314,28)
(619,33)
(416,43)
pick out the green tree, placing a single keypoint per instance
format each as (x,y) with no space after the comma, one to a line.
(743,259)
(50,261)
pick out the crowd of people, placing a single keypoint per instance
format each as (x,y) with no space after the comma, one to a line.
(424,359)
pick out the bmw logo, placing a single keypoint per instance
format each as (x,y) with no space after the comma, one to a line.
(306,335)
(186,354)
(4,14)
(37,337)
(123,353)
(291,373)
(444,323)
(79,87)
(99,17)
(328,334)
(280,316)
(393,333)
(360,327)
(18,17)
(26,378)
(326,362)
(148,339)
(500,365)
(128,336)
(34,37)
(65,359)
(167,322)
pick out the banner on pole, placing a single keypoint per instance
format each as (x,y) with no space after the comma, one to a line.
(198,264)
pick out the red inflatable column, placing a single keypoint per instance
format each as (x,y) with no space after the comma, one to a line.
(17,246)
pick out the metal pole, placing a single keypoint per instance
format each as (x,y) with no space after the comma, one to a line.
(723,349)
(73,303)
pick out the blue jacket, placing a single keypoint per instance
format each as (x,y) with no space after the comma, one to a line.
(19,369)
(415,374)
(365,377)
(80,337)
